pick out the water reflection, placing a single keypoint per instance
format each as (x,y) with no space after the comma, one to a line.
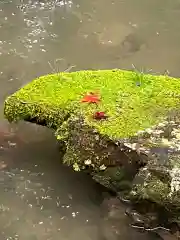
(40,198)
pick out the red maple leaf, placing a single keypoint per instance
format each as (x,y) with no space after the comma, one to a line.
(100,115)
(91,98)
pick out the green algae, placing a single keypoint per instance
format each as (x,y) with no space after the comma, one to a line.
(132,101)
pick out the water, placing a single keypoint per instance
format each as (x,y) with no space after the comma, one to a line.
(41,198)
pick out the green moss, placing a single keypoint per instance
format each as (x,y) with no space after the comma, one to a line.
(132,101)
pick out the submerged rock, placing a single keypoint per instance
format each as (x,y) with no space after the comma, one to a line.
(115,223)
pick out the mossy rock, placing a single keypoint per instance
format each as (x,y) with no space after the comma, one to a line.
(132,101)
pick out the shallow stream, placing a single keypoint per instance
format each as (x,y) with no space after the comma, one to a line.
(40,198)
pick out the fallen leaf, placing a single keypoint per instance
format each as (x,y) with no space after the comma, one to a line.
(100,115)
(91,98)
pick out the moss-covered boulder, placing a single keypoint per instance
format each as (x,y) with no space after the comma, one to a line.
(132,101)
(111,123)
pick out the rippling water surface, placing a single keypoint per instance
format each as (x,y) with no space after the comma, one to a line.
(40,198)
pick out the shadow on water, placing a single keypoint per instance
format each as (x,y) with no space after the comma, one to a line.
(41,198)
